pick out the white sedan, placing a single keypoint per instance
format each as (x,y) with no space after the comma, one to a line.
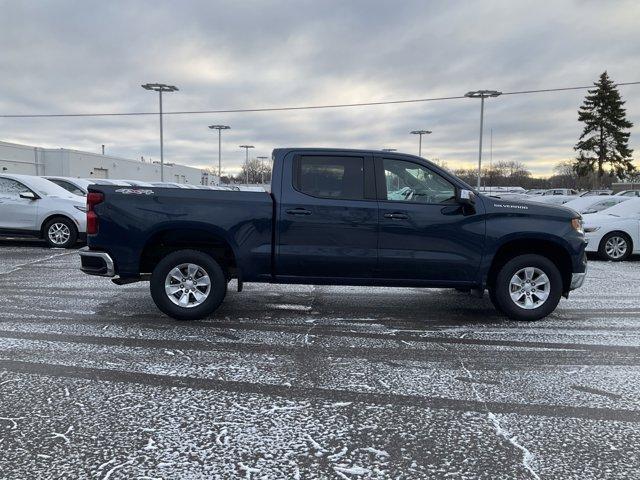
(615,232)
(35,207)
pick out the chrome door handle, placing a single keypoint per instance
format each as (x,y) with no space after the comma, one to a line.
(396,216)
(298,211)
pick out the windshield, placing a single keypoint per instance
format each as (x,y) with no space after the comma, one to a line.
(629,207)
(602,205)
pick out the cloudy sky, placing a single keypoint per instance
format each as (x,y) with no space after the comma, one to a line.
(91,56)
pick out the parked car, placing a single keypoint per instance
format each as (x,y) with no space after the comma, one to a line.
(169,184)
(590,193)
(614,233)
(629,193)
(108,181)
(561,191)
(132,183)
(535,191)
(337,217)
(35,207)
(77,186)
(594,204)
(552,199)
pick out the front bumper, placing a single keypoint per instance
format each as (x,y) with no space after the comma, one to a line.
(96,263)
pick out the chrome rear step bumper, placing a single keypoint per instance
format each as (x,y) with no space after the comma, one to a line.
(96,263)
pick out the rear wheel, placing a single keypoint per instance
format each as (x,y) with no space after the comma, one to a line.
(60,232)
(615,246)
(188,285)
(527,287)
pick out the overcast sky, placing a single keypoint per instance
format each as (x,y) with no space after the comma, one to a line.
(86,56)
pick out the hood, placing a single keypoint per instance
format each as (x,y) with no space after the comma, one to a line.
(600,218)
(501,205)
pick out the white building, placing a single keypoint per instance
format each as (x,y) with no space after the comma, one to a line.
(24,159)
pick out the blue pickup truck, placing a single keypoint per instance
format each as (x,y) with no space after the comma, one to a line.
(335,217)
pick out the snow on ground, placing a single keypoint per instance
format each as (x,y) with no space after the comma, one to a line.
(312,382)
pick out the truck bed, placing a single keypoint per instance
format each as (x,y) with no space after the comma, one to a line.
(130,219)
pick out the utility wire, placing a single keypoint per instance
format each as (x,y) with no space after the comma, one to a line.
(282,109)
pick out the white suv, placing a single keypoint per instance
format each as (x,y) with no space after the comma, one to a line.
(35,207)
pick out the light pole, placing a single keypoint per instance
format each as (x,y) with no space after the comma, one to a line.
(420,132)
(481,94)
(262,159)
(160,87)
(219,128)
(246,164)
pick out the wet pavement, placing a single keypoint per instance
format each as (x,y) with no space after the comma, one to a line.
(312,382)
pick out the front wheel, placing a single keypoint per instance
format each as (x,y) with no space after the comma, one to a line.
(615,247)
(188,285)
(528,287)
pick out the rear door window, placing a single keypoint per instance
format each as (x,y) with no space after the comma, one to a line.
(332,177)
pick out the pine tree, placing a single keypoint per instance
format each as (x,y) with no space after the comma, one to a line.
(605,138)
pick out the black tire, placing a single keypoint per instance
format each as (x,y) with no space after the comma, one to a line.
(216,293)
(60,232)
(622,237)
(502,288)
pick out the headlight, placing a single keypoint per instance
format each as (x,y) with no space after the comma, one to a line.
(82,208)
(576,223)
(591,229)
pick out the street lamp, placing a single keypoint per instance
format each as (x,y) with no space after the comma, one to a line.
(246,164)
(160,87)
(219,128)
(481,94)
(420,132)
(262,159)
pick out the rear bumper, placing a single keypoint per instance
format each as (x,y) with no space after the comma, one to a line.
(96,263)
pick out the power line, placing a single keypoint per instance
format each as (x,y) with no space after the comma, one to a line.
(283,109)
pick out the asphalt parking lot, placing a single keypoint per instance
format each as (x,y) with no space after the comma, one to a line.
(312,382)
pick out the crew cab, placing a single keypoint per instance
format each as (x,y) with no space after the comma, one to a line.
(335,217)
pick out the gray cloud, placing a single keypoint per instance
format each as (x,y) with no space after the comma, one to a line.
(86,56)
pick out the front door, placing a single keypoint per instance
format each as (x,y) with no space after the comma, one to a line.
(16,213)
(424,234)
(328,217)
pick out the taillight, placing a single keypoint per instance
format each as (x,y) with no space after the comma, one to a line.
(93,198)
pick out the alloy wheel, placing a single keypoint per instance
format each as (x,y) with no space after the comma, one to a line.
(529,288)
(616,247)
(187,285)
(59,233)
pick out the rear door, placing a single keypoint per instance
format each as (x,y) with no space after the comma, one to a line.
(16,213)
(424,234)
(328,216)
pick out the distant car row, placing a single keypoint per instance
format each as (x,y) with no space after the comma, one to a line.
(53,208)
(79,186)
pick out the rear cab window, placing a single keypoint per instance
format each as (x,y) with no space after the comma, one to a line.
(333,177)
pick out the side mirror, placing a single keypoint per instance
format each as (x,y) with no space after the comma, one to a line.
(28,195)
(465,197)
